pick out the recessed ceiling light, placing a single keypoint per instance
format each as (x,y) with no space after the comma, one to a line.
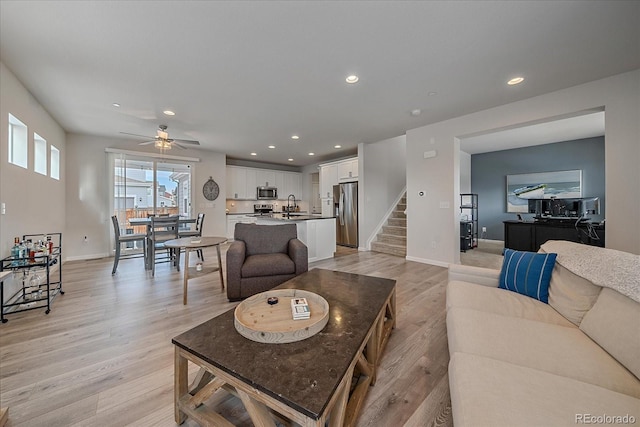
(291,160)
(271,146)
(312,154)
(115,104)
(295,137)
(432,93)
(337,146)
(352,79)
(416,112)
(515,81)
(169,113)
(254,154)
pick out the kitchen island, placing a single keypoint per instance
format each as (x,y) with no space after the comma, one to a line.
(317,232)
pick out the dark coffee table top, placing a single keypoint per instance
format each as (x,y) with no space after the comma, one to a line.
(304,374)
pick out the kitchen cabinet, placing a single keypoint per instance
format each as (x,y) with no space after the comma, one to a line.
(252,184)
(236,183)
(328,178)
(280,184)
(292,185)
(334,173)
(265,178)
(242,182)
(327,207)
(233,219)
(319,235)
(348,170)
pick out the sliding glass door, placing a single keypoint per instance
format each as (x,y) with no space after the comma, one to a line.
(145,186)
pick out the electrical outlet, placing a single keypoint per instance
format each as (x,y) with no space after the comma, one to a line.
(484,229)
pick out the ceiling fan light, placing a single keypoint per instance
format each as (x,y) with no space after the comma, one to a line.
(163,144)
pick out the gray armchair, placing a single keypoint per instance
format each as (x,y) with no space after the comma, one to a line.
(263,256)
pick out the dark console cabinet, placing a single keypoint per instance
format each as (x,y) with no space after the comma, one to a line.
(528,236)
(518,236)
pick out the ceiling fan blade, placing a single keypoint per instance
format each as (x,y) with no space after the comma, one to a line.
(187,141)
(178,145)
(135,134)
(147,142)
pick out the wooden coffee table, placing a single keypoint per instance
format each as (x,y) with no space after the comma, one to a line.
(323,378)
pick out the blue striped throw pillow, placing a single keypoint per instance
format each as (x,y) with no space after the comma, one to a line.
(527,273)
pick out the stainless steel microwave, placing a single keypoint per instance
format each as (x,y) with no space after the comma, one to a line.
(267,193)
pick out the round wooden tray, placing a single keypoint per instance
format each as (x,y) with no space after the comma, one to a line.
(259,321)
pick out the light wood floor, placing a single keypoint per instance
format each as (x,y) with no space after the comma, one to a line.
(103,356)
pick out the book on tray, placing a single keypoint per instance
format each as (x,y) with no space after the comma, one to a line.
(300,308)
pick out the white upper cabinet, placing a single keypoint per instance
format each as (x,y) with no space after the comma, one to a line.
(266,178)
(242,182)
(334,173)
(236,182)
(280,183)
(292,185)
(328,178)
(251,192)
(348,170)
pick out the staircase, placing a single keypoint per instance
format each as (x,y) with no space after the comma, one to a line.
(393,237)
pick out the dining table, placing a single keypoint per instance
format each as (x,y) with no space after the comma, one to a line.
(146,221)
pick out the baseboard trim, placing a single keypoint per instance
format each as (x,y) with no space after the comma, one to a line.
(428,261)
(87,257)
(491,241)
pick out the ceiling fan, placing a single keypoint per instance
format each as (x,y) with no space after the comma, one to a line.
(162,140)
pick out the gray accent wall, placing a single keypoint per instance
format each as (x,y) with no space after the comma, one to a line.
(489,176)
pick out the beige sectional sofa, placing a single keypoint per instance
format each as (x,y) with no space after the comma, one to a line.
(516,361)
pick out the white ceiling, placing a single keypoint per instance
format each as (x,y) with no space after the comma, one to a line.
(585,125)
(243,75)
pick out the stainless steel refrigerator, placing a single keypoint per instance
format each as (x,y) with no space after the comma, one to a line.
(345,201)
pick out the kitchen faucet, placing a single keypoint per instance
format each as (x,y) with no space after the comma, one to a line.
(288,205)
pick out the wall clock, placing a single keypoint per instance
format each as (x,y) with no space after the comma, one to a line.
(210,189)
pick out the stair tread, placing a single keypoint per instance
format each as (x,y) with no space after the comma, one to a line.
(394,236)
(388,244)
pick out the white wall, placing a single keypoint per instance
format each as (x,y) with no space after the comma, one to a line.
(88,192)
(34,203)
(382,178)
(433,232)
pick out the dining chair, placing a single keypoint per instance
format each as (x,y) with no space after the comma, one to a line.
(163,228)
(197,232)
(126,238)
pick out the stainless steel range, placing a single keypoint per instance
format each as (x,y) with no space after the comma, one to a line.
(263,209)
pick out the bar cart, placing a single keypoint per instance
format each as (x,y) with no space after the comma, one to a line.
(38,274)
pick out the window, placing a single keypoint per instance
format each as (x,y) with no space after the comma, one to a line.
(55,163)
(18,145)
(145,186)
(40,154)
